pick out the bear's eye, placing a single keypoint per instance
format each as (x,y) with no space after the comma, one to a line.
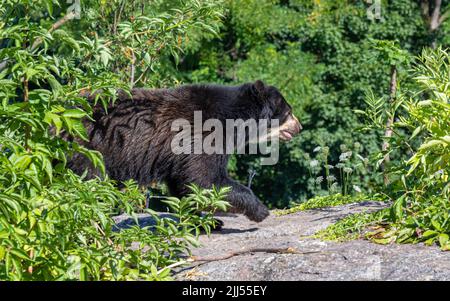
(282,115)
(286,115)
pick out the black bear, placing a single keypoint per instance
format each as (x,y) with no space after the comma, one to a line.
(135,137)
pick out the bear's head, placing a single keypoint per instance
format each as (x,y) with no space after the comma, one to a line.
(275,106)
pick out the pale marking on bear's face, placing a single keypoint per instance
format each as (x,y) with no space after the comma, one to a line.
(288,129)
(285,131)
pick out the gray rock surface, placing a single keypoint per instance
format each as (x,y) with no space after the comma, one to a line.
(318,260)
(353,260)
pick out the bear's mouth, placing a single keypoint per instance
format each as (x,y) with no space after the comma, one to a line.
(286,135)
(289,128)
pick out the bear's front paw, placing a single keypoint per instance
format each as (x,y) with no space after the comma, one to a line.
(258,214)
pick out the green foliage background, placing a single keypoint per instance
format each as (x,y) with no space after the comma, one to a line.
(55,225)
(331,61)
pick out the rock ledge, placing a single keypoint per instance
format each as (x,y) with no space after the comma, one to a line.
(321,260)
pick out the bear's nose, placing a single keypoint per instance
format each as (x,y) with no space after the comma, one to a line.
(297,125)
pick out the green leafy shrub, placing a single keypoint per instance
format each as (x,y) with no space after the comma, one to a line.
(421,186)
(352,226)
(330,201)
(419,181)
(55,225)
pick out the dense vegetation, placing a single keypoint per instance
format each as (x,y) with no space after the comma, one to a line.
(418,182)
(55,224)
(372,96)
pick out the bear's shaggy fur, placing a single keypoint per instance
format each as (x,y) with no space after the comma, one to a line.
(135,137)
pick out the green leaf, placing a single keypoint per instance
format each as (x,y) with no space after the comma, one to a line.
(398,208)
(83,273)
(47,166)
(74,113)
(443,239)
(19,253)
(416,132)
(2,253)
(4,234)
(429,234)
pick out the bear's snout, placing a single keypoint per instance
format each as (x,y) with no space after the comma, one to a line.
(290,128)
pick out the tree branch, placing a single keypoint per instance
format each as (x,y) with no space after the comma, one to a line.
(435,16)
(55,26)
(425,6)
(444,17)
(133,62)
(389,130)
(39,40)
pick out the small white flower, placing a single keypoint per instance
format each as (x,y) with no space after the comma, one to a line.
(319,180)
(317,149)
(340,165)
(314,163)
(439,173)
(329,166)
(348,170)
(356,188)
(334,187)
(331,178)
(345,156)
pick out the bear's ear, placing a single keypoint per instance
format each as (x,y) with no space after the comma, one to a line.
(259,88)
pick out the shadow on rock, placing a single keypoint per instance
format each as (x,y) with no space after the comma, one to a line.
(143,220)
(237,231)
